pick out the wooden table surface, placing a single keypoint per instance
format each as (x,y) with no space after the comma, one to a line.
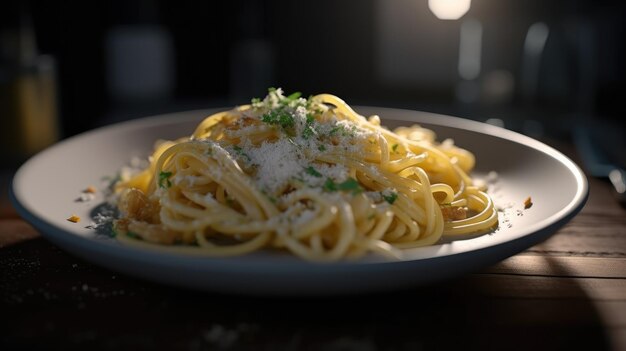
(569,292)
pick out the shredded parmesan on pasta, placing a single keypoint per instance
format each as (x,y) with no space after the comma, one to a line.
(309,176)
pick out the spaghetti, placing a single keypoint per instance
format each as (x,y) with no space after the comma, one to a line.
(307,176)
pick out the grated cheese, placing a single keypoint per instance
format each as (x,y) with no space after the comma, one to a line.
(305,216)
(290,160)
(86,197)
(277,163)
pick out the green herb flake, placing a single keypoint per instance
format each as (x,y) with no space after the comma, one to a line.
(312,171)
(349,184)
(255,101)
(321,148)
(280,118)
(329,185)
(165,177)
(341,129)
(335,130)
(308,132)
(394,147)
(309,129)
(294,96)
(390,198)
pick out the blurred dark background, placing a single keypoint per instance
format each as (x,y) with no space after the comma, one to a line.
(543,68)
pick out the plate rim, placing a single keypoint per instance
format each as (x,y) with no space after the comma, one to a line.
(535,233)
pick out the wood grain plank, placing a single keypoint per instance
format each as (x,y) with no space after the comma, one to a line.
(537,287)
(549,312)
(601,199)
(613,313)
(6,208)
(599,230)
(588,235)
(561,266)
(13,231)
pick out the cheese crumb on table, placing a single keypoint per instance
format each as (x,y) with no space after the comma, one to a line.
(528,203)
(86,197)
(74,218)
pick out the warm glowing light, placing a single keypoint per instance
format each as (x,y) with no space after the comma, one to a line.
(449,9)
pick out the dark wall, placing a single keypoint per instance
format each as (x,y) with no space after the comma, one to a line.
(225,54)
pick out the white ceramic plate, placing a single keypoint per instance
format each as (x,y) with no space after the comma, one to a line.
(45,188)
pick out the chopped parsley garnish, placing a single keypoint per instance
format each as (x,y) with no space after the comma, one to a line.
(394,147)
(349,184)
(391,197)
(307,132)
(321,148)
(294,96)
(330,185)
(165,177)
(341,129)
(309,128)
(280,118)
(335,130)
(310,170)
